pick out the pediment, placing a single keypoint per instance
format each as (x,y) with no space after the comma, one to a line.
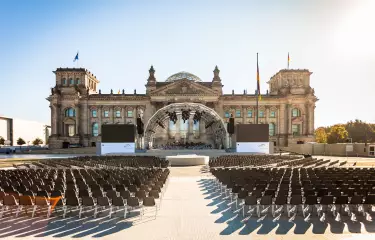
(184,87)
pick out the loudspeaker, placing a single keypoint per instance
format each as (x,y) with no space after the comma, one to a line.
(140,127)
(230,126)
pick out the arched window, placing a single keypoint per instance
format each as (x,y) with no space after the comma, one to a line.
(271,129)
(71,81)
(296,112)
(64,81)
(70,112)
(227,115)
(118,113)
(95,129)
(94,113)
(78,81)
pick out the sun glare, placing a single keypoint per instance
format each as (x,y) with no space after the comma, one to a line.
(356,33)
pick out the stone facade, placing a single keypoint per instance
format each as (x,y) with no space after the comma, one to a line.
(78,108)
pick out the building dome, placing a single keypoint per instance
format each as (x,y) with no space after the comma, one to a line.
(183,75)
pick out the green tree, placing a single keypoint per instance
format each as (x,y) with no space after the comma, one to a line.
(2,141)
(37,141)
(321,135)
(20,141)
(337,134)
(360,131)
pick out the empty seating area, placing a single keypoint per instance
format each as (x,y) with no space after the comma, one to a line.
(249,160)
(85,186)
(336,193)
(108,162)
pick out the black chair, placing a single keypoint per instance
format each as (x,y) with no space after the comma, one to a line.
(119,202)
(104,203)
(72,202)
(264,205)
(133,203)
(295,201)
(87,202)
(279,205)
(149,202)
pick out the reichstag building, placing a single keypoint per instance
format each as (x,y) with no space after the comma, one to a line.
(182,108)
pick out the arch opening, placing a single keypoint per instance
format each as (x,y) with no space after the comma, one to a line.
(185,123)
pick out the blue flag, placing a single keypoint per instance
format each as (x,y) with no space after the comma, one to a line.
(76,57)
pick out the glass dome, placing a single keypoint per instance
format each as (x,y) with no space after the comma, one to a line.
(183,75)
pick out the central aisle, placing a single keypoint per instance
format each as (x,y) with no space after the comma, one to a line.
(184,213)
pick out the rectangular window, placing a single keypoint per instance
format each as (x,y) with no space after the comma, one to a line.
(250,113)
(296,129)
(261,113)
(93,113)
(130,113)
(227,114)
(238,113)
(118,113)
(71,130)
(106,113)
(272,114)
(295,112)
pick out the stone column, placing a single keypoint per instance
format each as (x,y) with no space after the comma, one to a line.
(123,114)
(54,118)
(113,114)
(85,117)
(311,119)
(282,119)
(100,110)
(77,118)
(244,116)
(191,125)
(177,136)
(289,119)
(61,121)
(306,120)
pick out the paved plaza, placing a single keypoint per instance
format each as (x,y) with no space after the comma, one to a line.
(191,209)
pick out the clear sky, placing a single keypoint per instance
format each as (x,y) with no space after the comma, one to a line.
(119,40)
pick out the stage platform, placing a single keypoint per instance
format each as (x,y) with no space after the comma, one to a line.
(188,160)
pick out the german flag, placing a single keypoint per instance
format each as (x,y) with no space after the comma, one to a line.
(258,81)
(288,60)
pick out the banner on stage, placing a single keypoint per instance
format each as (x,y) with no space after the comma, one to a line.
(115,148)
(253,147)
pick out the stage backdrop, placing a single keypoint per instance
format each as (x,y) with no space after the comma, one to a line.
(117,139)
(252,138)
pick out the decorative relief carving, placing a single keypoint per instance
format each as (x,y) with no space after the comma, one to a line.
(184,88)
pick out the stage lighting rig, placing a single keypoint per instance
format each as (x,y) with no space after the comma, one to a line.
(185,114)
(172,116)
(197,116)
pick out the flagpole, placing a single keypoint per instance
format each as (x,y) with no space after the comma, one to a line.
(288,60)
(257,94)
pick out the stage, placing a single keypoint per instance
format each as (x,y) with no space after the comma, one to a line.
(188,160)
